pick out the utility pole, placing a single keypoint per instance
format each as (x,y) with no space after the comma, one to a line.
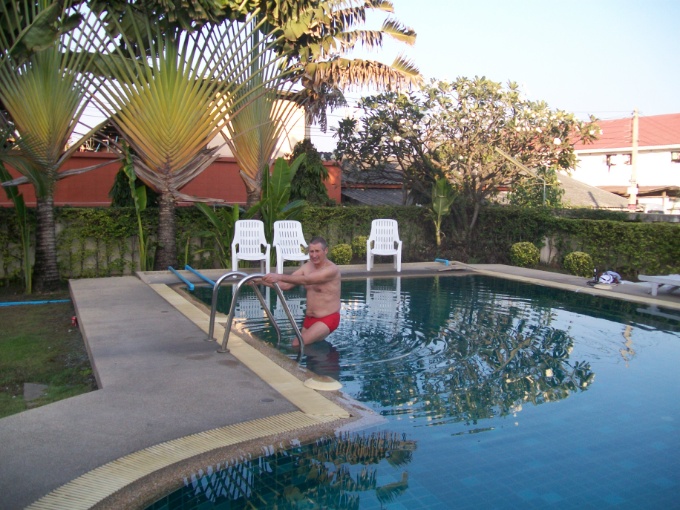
(632,190)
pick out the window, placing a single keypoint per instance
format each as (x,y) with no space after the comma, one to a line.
(675,156)
(619,159)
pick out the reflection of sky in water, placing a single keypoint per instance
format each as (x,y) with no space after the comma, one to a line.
(516,395)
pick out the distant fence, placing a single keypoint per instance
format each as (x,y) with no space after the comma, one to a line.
(221,180)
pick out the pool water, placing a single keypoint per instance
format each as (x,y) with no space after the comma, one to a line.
(493,394)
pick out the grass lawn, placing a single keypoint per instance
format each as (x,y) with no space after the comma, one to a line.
(39,345)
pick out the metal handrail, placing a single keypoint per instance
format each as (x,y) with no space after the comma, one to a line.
(247,279)
(291,319)
(213,307)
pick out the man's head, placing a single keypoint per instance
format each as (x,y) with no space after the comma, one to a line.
(318,249)
(319,240)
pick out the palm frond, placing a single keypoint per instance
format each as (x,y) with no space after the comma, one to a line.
(407,69)
(399,32)
(42,91)
(347,73)
(255,130)
(170,106)
(29,27)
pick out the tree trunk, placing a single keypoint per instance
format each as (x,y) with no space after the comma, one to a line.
(253,189)
(46,270)
(166,251)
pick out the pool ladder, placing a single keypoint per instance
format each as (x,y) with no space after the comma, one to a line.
(247,279)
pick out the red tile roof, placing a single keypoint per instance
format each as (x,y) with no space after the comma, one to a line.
(652,130)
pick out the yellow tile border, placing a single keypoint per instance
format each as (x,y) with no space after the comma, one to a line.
(293,389)
(95,486)
(99,484)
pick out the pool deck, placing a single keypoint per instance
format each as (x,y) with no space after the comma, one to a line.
(167,398)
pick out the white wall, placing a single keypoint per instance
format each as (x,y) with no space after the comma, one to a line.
(292,134)
(654,168)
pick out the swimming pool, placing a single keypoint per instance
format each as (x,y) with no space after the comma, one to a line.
(494,394)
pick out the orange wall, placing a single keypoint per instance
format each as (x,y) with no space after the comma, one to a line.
(220,180)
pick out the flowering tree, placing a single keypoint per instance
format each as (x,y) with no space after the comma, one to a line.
(391,134)
(477,133)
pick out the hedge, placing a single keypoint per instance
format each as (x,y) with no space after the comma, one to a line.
(96,242)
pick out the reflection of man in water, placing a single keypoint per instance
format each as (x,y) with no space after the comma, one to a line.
(321,279)
(323,359)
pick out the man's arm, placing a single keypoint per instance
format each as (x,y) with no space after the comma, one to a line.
(284,284)
(302,277)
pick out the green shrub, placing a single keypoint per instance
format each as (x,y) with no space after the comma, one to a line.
(341,254)
(359,246)
(579,263)
(524,254)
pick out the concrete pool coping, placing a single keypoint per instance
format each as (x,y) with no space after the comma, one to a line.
(164,392)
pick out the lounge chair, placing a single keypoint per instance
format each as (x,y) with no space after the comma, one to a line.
(673,280)
(384,240)
(248,242)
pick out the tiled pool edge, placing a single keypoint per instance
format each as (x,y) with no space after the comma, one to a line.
(96,486)
(103,482)
(584,289)
(309,401)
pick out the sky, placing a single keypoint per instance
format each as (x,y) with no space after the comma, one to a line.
(599,57)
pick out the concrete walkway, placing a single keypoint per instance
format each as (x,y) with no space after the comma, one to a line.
(163,384)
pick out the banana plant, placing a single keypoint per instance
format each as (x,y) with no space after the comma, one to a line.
(443,196)
(24,227)
(139,198)
(222,220)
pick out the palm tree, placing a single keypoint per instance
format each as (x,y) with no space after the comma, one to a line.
(168,106)
(254,132)
(314,38)
(318,54)
(312,35)
(44,97)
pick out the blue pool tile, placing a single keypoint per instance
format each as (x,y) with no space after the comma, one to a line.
(527,495)
(659,445)
(614,499)
(666,483)
(470,481)
(551,497)
(628,464)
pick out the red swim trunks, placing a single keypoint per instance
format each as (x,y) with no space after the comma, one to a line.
(332,321)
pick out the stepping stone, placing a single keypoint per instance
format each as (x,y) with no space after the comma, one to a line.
(33,391)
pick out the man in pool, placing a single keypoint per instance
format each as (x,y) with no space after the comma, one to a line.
(321,279)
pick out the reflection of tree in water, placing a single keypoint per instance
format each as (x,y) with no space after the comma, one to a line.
(491,353)
(330,473)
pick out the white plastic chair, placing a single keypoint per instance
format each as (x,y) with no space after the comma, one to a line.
(289,241)
(248,242)
(383,304)
(384,240)
(297,307)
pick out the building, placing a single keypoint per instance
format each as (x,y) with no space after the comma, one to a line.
(373,187)
(653,184)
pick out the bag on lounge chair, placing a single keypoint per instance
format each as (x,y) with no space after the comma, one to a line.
(609,278)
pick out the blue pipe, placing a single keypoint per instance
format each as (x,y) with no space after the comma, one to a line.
(445,262)
(201,276)
(189,284)
(46,302)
